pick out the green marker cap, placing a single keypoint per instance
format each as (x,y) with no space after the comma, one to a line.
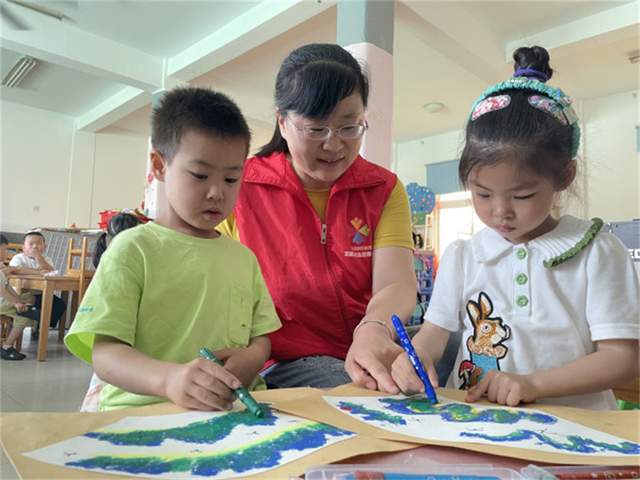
(249,402)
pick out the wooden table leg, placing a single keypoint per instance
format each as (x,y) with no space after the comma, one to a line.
(45,318)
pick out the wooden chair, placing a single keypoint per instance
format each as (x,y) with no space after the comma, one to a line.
(81,270)
(6,323)
(13,249)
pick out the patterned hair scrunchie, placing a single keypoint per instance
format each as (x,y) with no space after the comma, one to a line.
(550,100)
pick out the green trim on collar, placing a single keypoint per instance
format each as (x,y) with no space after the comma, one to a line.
(586,239)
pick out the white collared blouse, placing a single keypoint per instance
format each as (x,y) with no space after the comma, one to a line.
(520,316)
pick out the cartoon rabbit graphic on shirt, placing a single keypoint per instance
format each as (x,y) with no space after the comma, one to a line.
(486,344)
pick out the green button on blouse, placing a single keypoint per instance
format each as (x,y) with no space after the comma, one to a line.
(521,279)
(521,253)
(522,301)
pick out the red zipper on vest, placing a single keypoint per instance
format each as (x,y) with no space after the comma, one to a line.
(323,234)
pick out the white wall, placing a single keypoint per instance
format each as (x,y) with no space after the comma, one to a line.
(612,176)
(35,154)
(107,172)
(411,157)
(608,187)
(120,168)
(53,176)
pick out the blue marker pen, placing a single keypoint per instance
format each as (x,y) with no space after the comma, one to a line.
(413,357)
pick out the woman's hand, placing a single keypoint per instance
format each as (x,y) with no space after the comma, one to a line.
(393,290)
(504,388)
(200,385)
(369,359)
(405,376)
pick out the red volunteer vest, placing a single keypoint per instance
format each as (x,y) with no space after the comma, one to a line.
(318,274)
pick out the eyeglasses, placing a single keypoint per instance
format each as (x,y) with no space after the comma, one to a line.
(347,132)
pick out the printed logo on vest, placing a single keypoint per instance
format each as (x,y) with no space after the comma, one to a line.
(362,232)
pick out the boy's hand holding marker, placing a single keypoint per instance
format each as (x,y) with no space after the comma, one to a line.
(201,385)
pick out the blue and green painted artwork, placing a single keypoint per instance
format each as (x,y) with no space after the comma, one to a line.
(194,445)
(497,425)
(211,430)
(572,443)
(449,412)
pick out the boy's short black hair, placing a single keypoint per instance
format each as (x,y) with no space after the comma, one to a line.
(184,109)
(37,234)
(3,240)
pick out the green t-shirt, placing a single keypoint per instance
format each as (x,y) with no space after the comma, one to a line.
(168,294)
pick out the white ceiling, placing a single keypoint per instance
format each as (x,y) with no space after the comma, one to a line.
(101,63)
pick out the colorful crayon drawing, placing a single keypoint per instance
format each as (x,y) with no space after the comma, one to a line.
(495,425)
(193,445)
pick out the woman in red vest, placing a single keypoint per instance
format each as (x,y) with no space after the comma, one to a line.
(331,231)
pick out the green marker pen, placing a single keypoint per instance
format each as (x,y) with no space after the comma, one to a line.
(242,393)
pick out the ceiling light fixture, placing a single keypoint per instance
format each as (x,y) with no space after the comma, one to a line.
(433,107)
(19,71)
(39,8)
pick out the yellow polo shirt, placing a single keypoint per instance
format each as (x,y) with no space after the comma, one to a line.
(393,230)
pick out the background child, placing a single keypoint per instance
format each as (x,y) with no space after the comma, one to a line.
(33,260)
(12,304)
(548,307)
(167,288)
(118,223)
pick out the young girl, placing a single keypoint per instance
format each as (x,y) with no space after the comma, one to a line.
(548,307)
(118,223)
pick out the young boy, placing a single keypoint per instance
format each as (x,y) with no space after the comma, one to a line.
(33,260)
(167,288)
(12,304)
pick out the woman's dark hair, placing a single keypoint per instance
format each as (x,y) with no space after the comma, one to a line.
(311,81)
(535,139)
(191,108)
(118,223)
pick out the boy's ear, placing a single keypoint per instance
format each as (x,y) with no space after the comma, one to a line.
(158,165)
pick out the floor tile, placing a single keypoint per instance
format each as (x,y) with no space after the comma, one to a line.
(58,384)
